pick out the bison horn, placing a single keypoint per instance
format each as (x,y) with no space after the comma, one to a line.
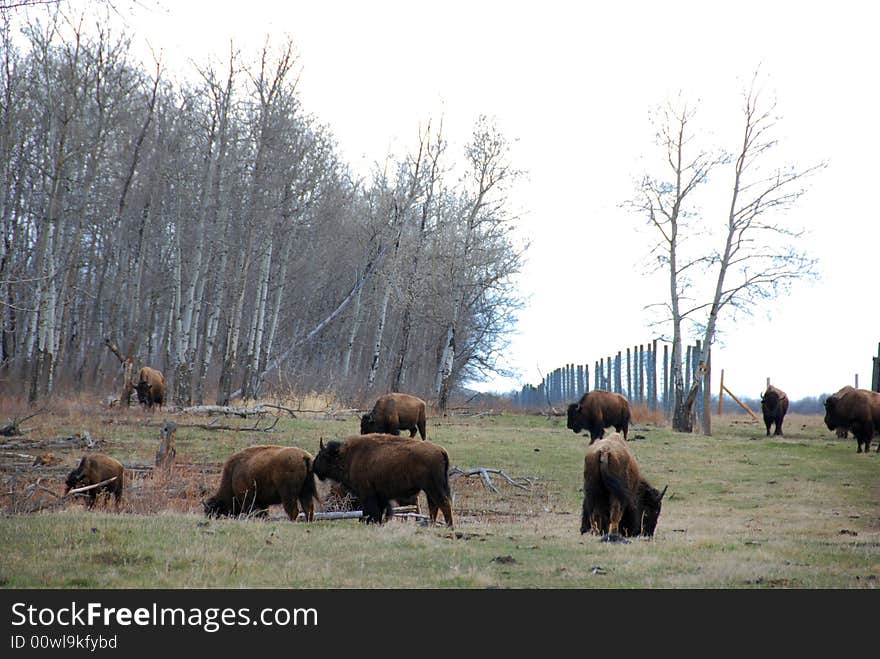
(664,491)
(321,443)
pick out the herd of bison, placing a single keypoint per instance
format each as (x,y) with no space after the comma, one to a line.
(379,466)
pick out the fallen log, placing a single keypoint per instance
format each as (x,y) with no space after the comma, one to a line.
(242,412)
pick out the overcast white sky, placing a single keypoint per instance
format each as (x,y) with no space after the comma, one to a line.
(572,84)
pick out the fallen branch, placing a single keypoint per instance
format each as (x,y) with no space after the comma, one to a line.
(484,472)
(82,440)
(13,426)
(86,488)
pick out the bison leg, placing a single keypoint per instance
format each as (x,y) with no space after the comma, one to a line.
(614,514)
(412,433)
(421,426)
(308,507)
(291,508)
(446,508)
(586,517)
(372,512)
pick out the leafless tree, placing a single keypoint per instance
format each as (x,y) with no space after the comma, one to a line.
(758,256)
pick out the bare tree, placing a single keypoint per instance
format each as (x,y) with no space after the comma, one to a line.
(758,256)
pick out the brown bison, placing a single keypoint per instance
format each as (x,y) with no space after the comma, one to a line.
(774,405)
(597,410)
(150,387)
(93,469)
(260,476)
(617,500)
(856,411)
(379,467)
(393,413)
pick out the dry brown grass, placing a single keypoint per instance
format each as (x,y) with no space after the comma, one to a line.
(644,415)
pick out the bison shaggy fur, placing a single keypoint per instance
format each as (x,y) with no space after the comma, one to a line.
(93,469)
(150,387)
(393,413)
(856,411)
(774,406)
(379,468)
(597,410)
(617,499)
(260,476)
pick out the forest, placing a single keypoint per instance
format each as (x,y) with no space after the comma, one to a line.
(209,228)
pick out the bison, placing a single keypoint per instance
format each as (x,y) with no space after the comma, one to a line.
(260,476)
(93,469)
(597,410)
(393,413)
(380,467)
(618,501)
(774,405)
(856,411)
(150,387)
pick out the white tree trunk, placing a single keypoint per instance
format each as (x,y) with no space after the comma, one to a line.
(380,328)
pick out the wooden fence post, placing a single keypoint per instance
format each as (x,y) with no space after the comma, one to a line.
(667,404)
(875,374)
(707,395)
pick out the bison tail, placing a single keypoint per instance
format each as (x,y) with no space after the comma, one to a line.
(308,488)
(615,485)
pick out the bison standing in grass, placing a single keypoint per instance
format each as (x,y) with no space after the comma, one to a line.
(393,413)
(774,405)
(93,469)
(857,411)
(150,387)
(378,468)
(617,499)
(597,410)
(260,476)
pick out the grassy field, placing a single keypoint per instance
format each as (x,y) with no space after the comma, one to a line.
(742,511)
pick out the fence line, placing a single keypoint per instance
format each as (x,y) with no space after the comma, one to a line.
(636,367)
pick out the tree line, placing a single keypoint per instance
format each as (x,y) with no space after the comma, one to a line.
(211,229)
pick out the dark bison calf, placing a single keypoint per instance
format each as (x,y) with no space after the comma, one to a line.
(378,468)
(597,410)
(150,387)
(774,405)
(93,469)
(393,413)
(260,476)
(856,411)
(617,499)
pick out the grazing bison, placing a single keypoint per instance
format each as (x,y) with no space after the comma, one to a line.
(393,413)
(93,469)
(260,476)
(150,387)
(597,410)
(774,405)
(856,411)
(617,500)
(379,467)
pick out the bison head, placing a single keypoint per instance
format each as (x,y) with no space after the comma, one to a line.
(575,420)
(830,404)
(215,507)
(72,480)
(74,477)
(369,424)
(143,391)
(769,401)
(328,462)
(651,501)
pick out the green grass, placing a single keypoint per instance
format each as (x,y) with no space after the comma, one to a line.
(742,511)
